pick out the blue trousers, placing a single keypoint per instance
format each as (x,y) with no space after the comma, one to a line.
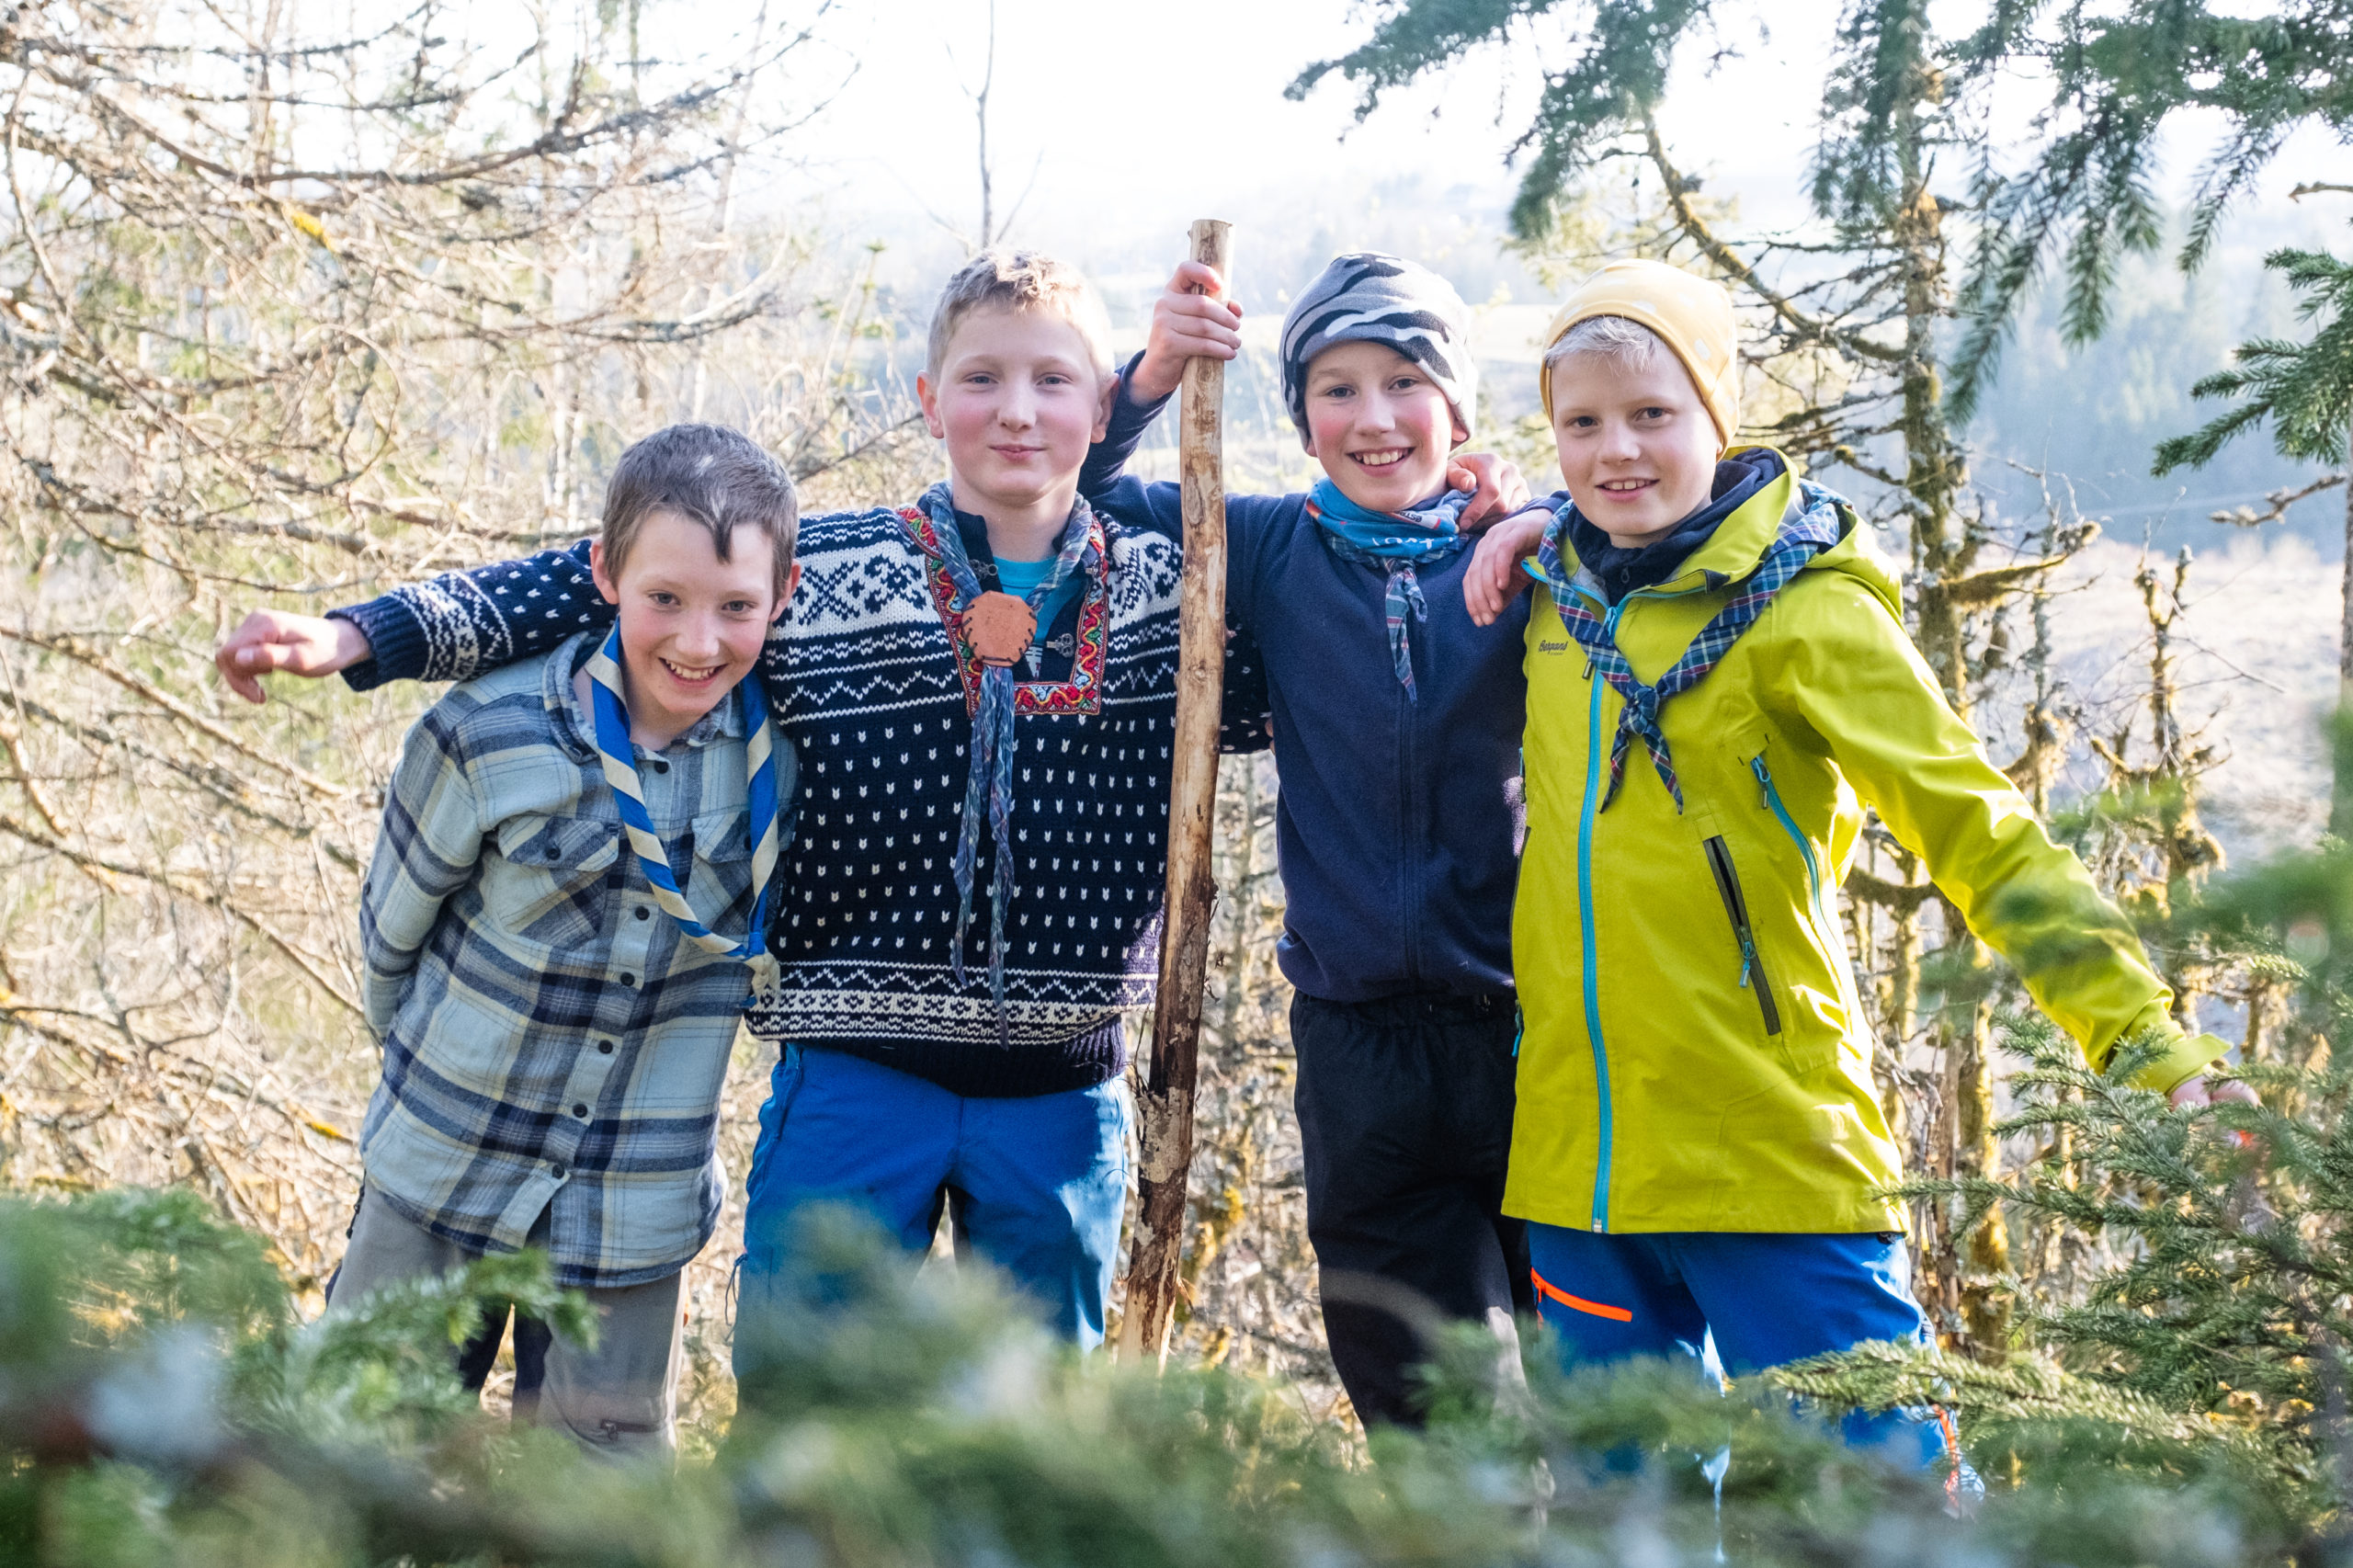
(1039,1183)
(1738,1302)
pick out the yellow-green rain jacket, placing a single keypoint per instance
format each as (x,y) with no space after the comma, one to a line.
(1695,1057)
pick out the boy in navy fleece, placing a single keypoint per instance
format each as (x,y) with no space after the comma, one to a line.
(1397,725)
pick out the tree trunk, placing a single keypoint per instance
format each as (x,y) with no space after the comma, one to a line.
(1943,552)
(2340,807)
(1166,1105)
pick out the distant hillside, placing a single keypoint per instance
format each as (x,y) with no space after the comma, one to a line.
(2094,414)
(2097,412)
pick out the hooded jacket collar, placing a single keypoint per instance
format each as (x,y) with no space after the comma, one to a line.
(1735,543)
(1622,569)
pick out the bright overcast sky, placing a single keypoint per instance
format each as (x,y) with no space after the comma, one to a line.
(1137,115)
(1133,115)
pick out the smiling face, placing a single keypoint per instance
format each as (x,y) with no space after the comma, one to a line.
(1638,450)
(1378,425)
(1019,399)
(691,624)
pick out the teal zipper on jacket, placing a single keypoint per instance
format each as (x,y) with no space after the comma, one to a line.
(1589,811)
(1850,997)
(1789,826)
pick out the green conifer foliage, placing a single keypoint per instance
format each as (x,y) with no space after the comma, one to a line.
(2305,392)
(1617,74)
(2119,75)
(2303,389)
(2086,192)
(2233,1290)
(159,1405)
(2221,1310)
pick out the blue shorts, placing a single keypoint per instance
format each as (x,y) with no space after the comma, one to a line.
(1736,1302)
(1039,1183)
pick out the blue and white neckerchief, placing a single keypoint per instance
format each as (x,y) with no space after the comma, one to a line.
(988,784)
(1811,526)
(612,721)
(1392,543)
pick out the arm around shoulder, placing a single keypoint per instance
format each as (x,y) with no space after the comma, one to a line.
(459,624)
(1854,676)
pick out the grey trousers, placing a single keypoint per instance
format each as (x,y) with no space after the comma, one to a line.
(621,1399)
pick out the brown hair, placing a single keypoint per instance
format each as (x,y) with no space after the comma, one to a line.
(1021,280)
(720,478)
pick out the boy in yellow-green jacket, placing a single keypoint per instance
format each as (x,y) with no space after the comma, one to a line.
(1718,683)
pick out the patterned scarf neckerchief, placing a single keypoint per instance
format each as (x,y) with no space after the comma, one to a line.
(1813,528)
(611,722)
(988,785)
(1392,543)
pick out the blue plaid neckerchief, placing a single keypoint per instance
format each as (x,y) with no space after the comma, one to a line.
(611,722)
(1392,543)
(1801,538)
(988,784)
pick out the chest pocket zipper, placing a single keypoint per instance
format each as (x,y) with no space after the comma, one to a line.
(1752,966)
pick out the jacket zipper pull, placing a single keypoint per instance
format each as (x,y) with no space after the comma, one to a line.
(1588,665)
(1764,781)
(1747,958)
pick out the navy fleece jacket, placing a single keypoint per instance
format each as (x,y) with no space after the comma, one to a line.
(1395,820)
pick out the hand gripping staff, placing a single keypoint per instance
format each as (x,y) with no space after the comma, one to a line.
(759,766)
(1166,1106)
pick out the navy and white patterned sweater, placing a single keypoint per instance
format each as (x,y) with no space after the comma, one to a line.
(869,686)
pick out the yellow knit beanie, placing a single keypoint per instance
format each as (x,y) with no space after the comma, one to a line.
(1691,314)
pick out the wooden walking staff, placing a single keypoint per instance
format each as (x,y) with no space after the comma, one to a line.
(1166,1107)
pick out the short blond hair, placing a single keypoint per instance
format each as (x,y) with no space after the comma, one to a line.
(1620,338)
(1021,280)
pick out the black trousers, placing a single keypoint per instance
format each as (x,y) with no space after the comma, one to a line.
(1405,1118)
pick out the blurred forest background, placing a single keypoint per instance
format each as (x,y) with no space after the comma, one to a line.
(298,303)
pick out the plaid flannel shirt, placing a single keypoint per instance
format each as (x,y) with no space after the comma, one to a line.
(551,1042)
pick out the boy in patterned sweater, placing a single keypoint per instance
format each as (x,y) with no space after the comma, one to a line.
(980,688)
(556,1019)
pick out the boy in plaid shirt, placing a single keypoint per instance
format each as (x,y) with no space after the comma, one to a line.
(556,1015)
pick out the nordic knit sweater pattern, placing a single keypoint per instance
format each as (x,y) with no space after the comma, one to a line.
(869,688)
